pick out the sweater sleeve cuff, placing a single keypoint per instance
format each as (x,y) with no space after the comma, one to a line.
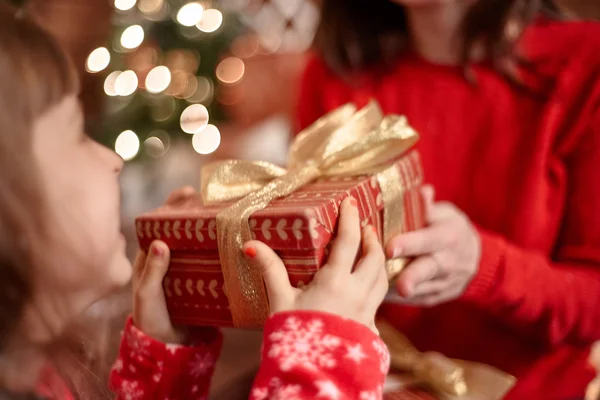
(172,359)
(493,248)
(319,340)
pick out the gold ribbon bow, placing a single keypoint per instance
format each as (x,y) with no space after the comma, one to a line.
(447,378)
(343,143)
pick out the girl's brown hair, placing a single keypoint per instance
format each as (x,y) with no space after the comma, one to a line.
(35,75)
(357,34)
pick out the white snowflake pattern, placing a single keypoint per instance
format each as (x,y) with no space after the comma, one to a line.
(118,367)
(277,391)
(327,390)
(158,376)
(355,353)
(384,356)
(202,365)
(303,344)
(173,348)
(376,394)
(129,390)
(139,345)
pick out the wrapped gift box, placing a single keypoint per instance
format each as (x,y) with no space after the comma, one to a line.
(298,227)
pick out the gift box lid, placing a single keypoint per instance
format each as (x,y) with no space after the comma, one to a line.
(306,219)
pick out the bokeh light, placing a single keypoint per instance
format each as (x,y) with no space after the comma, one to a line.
(194,118)
(98,60)
(203,91)
(190,14)
(126,83)
(158,79)
(230,70)
(207,140)
(157,143)
(124,5)
(109,83)
(127,145)
(211,20)
(132,37)
(163,108)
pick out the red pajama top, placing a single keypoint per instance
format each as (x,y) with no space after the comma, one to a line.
(526,171)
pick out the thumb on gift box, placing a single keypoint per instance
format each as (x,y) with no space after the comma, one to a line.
(157,263)
(274,274)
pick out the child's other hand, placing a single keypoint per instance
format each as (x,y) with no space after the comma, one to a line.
(337,288)
(150,313)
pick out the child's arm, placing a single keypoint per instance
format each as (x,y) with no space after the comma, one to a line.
(321,341)
(149,369)
(314,355)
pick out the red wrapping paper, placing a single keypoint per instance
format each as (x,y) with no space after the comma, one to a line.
(298,227)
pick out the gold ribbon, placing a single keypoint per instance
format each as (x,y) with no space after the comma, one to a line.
(343,143)
(447,378)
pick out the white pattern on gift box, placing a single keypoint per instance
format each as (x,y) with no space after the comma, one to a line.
(296,229)
(188,229)
(198,229)
(166,228)
(264,229)
(277,391)
(303,344)
(176,226)
(281,229)
(212,226)
(166,284)
(148,229)
(157,230)
(139,229)
(177,287)
(252,222)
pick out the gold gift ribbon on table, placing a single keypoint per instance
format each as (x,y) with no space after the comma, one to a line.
(447,378)
(345,142)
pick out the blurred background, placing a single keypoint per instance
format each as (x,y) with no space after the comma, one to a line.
(174,84)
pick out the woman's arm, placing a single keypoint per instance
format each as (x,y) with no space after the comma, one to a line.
(555,299)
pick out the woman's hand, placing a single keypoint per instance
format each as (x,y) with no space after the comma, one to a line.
(447,256)
(150,313)
(339,287)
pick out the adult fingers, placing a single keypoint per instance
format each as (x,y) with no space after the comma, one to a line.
(423,241)
(419,271)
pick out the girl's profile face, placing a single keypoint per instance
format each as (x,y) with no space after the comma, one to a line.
(84,257)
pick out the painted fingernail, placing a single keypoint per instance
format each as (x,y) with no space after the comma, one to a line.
(250,252)
(157,251)
(353,202)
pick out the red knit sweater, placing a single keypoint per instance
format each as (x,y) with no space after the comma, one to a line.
(527,173)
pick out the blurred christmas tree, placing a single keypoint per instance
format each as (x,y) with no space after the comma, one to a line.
(162,67)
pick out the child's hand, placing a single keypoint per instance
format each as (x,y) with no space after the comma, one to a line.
(150,313)
(336,288)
